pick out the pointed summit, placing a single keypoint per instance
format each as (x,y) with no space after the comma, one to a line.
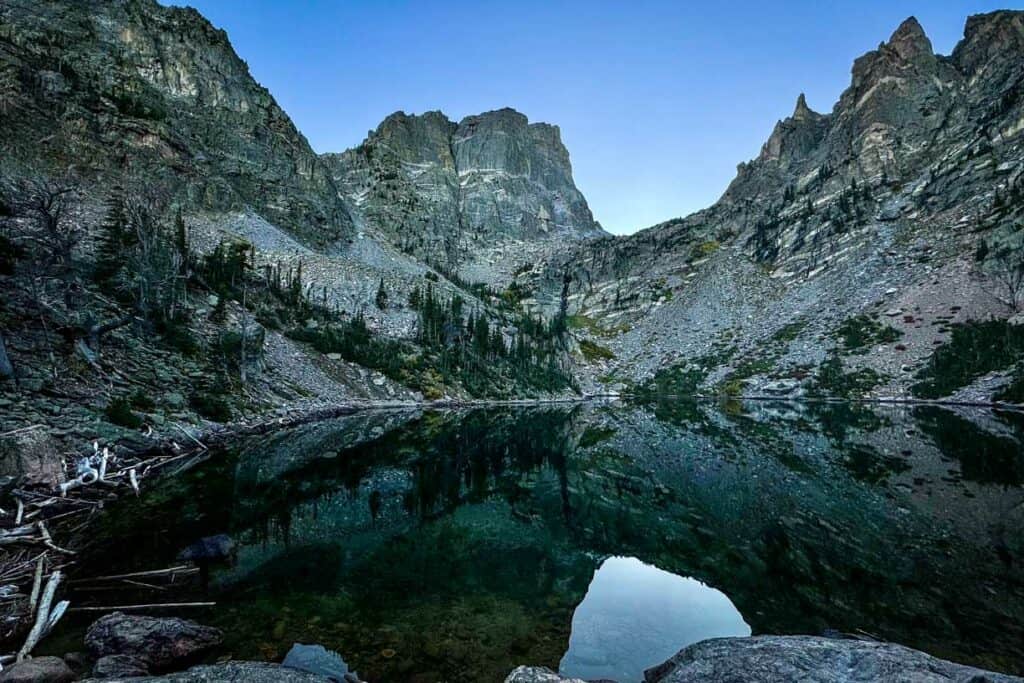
(802,111)
(909,40)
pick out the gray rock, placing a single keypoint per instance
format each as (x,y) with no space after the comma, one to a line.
(197,110)
(32,455)
(38,670)
(537,674)
(318,660)
(439,189)
(119,666)
(161,642)
(782,659)
(232,672)
(174,400)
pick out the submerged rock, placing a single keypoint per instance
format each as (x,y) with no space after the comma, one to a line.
(317,659)
(219,547)
(162,643)
(781,659)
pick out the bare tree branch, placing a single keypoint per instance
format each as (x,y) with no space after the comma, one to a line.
(1005,280)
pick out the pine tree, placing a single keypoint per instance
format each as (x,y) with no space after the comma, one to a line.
(9,88)
(181,242)
(382,296)
(115,237)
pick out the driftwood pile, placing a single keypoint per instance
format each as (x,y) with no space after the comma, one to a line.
(33,564)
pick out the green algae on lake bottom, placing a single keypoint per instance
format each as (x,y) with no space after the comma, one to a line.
(454,545)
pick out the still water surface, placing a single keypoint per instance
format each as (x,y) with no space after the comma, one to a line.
(599,539)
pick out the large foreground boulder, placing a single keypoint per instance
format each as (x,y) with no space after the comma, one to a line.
(537,674)
(38,670)
(162,643)
(781,659)
(230,672)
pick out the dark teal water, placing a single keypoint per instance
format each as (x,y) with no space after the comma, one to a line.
(454,545)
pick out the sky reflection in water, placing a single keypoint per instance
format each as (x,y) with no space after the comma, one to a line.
(635,616)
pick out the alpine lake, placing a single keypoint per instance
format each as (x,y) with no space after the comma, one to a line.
(595,538)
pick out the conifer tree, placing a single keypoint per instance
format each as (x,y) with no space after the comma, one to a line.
(115,237)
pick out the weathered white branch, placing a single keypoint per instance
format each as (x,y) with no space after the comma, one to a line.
(42,616)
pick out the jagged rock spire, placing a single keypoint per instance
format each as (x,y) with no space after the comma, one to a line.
(802,111)
(909,40)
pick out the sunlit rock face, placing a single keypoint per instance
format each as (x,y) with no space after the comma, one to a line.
(442,190)
(635,616)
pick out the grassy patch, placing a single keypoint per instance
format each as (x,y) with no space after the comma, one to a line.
(862,331)
(703,249)
(975,349)
(678,380)
(594,352)
(788,333)
(832,381)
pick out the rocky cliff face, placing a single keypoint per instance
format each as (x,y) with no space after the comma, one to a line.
(894,212)
(879,208)
(442,190)
(130,86)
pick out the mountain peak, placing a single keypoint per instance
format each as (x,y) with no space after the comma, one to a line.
(802,111)
(909,40)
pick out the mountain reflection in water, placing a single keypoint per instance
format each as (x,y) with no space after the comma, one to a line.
(456,544)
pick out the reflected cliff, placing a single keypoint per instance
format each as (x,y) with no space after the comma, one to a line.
(455,545)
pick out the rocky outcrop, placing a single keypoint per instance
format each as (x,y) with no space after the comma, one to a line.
(868,208)
(782,659)
(31,456)
(134,87)
(439,189)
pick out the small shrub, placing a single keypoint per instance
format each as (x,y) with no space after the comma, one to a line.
(862,331)
(119,412)
(140,400)
(211,406)
(179,336)
(732,387)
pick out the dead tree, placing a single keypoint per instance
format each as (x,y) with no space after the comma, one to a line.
(44,205)
(1005,280)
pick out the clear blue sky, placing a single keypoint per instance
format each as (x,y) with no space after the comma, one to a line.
(657,100)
